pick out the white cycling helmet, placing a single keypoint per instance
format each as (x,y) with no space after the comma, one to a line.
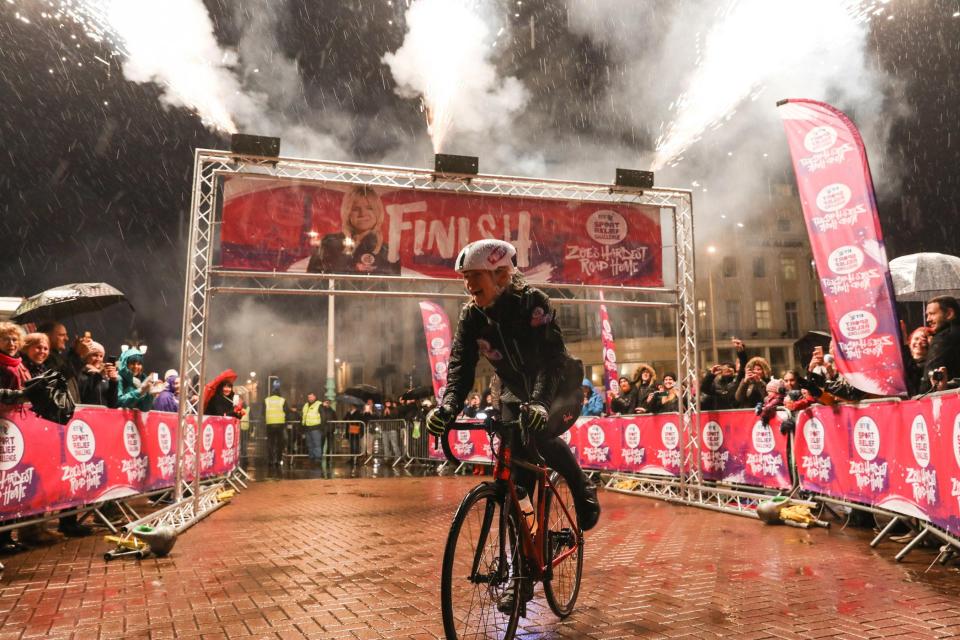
(486,255)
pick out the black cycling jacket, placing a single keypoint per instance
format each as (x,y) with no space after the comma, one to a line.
(521,339)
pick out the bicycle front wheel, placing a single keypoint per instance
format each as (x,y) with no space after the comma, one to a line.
(563,539)
(481,570)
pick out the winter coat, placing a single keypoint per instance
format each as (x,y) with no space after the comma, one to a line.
(593,406)
(944,351)
(96,389)
(665,401)
(69,365)
(719,392)
(128,391)
(168,399)
(519,336)
(13,373)
(221,405)
(330,257)
(626,403)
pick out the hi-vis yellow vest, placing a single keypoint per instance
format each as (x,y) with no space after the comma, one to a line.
(311,414)
(275,412)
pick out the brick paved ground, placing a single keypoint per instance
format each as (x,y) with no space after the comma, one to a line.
(359,558)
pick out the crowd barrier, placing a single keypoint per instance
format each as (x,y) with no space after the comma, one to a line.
(384,438)
(102,454)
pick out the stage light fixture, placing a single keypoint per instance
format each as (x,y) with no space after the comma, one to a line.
(245,144)
(634,179)
(448,165)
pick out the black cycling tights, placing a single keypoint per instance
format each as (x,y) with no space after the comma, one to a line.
(555,452)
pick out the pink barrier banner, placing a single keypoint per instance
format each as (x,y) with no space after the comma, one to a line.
(839,206)
(609,353)
(101,454)
(633,444)
(436,329)
(900,456)
(271,224)
(738,448)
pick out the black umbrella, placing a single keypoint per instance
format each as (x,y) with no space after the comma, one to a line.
(803,348)
(364,392)
(354,400)
(68,300)
(416,393)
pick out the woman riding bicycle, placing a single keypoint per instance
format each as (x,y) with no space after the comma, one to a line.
(513,326)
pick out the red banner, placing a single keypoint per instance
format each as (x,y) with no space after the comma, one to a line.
(836,193)
(274,224)
(436,329)
(101,454)
(901,456)
(738,448)
(609,353)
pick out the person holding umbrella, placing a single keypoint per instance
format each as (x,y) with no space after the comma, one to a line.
(219,399)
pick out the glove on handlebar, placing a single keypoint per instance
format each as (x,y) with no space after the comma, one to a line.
(534,417)
(438,419)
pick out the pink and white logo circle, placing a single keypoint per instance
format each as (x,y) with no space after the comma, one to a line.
(437,343)
(814,434)
(131,439)
(441,368)
(207,437)
(859,324)
(763,441)
(164,438)
(846,259)
(463,437)
(866,438)
(11,445)
(670,435)
(609,355)
(606,326)
(595,435)
(713,435)
(81,442)
(606,227)
(920,441)
(631,436)
(834,197)
(820,139)
(229,435)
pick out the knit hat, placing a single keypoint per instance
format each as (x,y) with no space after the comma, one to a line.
(171,373)
(774,386)
(95,347)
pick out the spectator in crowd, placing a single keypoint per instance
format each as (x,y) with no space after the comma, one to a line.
(718,388)
(472,408)
(98,381)
(48,393)
(356,420)
(665,399)
(169,398)
(943,354)
(275,417)
(67,363)
(370,411)
(135,390)
(592,401)
(627,402)
(311,419)
(825,383)
(219,398)
(915,358)
(34,353)
(327,415)
(752,389)
(13,374)
(390,432)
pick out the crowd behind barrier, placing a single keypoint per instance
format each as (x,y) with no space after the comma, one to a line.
(102,454)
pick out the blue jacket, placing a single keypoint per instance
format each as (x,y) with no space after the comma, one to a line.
(128,393)
(593,406)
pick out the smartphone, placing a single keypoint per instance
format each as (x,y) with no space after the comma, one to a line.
(111,360)
(152,378)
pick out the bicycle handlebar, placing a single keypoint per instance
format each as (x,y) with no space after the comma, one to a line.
(490,425)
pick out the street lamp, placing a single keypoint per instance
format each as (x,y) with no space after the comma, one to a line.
(711,251)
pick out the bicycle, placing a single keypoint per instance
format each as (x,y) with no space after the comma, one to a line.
(492,555)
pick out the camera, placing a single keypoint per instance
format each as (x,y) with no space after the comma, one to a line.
(936,376)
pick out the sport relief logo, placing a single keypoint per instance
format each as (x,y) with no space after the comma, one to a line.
(713,459)
(868,473)
(229,453)
(463,447)
(435,322)
(439,348)
(832,201)
(921,478)
(135,467)
(595,452)
(16,486)
(208,455)
(820,142)
(815,465)
(87,473)
(167,461)
(762,461)
(845,262)
(632,452)
(669,456)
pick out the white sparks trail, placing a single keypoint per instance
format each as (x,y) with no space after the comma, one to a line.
(445,60)
(752,42)
(169,42)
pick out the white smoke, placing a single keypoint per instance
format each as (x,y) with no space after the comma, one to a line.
(446,58)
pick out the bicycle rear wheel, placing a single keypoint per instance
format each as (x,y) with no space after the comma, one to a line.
(481,568)
(562,535)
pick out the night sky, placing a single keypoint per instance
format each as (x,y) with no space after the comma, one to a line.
(95,171)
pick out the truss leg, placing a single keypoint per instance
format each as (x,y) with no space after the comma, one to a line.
(885,532)
(105,520)
(913,543)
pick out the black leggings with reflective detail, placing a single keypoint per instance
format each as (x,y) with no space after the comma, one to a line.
(555,452)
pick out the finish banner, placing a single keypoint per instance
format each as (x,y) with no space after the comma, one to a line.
(901,456)
(101,454)
(272,224)
(436,329)
(839,206)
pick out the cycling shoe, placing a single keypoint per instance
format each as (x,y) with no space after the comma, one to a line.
(526,594)
(588,508)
